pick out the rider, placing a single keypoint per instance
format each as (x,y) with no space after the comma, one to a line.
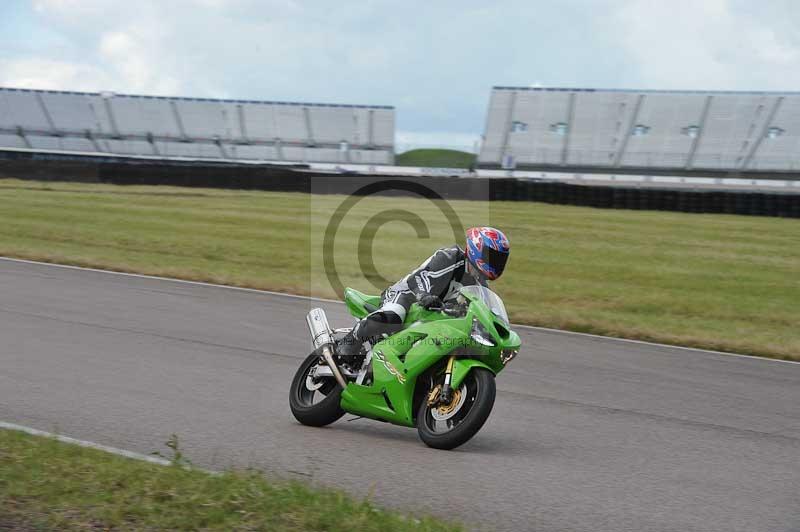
(443,273)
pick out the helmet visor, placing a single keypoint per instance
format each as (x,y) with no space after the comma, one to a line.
(495,259)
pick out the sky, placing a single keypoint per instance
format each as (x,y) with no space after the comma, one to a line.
(435,61)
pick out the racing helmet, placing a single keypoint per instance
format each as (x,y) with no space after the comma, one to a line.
(487,251)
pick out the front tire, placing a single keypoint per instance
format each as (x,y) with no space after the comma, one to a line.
(456,427)
(301,398)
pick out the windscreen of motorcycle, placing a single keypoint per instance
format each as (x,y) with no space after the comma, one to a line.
(489,298)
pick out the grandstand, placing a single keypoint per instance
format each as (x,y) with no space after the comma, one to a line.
(642,131)
(720,152)
(195,128)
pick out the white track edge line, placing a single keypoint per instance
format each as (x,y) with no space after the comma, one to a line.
(85,443)
(171,279)
(314,298)
(655,344)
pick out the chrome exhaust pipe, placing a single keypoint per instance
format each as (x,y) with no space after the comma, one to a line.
(321,333)
(322,338)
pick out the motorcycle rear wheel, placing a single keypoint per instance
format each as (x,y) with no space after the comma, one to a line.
(456,428)
(301,398)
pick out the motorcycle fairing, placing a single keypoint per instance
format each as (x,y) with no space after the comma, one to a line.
(397,361)
(360,304)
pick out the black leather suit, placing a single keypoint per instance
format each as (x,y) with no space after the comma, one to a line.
(440,275)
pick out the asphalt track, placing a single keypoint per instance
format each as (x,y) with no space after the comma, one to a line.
(587,433)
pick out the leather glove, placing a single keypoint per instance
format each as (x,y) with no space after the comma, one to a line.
(429,301)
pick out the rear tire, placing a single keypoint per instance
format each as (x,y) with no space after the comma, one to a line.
(301,398)
(480,390)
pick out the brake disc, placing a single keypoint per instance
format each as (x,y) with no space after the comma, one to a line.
(444,412)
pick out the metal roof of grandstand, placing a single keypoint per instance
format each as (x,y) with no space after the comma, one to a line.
(196,99)
(628,129)
(181,127)
(644,91)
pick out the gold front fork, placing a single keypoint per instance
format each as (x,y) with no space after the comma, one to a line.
(447,391)
(448,373)
(442,394)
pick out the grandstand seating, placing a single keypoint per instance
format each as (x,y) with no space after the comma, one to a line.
(626,129)
(166,127)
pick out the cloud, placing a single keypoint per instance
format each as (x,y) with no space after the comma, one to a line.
(127,55)
(434,61)
(121,64)
(709,44)
(40,73)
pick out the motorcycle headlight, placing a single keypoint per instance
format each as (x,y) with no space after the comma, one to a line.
(480,334)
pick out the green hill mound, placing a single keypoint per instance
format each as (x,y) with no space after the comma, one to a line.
(435,158)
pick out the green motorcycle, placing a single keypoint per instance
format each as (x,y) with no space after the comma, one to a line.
(436,374)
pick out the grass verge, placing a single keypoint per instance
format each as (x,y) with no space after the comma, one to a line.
(46,484)
(435,158)
(724,282)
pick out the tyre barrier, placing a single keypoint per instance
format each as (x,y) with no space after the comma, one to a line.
(117,170)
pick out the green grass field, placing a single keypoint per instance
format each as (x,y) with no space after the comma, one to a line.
(435,158)
(713,281)
(47,485)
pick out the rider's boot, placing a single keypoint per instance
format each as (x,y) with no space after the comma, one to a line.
(375,325)
(350,348)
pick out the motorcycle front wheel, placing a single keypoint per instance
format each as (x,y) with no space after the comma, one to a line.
(448,426)
(314,403)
